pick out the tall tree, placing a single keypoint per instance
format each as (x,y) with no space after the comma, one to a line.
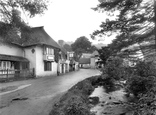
(134,21)
(135,24)
(105,53)
(12,26)
(67,47)
(82,45)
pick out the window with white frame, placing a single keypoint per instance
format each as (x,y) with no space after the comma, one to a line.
(48,51)
(5,65)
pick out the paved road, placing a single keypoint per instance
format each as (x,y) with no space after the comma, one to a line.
(41,94)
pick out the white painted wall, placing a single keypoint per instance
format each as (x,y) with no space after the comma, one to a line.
(68,62)
(36,58)
(31,56)
(36,61)
(86,66)
(10,50)
(92,62)
(76,66)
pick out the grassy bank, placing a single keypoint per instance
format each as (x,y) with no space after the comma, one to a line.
(75,101)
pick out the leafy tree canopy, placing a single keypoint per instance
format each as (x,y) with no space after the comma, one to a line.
(82,45)
(134,21)
(67,47)
(12,25)
(105,53)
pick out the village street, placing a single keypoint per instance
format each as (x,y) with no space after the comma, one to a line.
(40,95)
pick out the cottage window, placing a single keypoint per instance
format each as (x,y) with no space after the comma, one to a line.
(47,66)
(4,65)
(48,51)
(8,65)
(71,55)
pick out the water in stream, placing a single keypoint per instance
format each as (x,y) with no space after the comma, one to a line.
(110,103)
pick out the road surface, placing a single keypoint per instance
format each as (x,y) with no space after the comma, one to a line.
(40,94)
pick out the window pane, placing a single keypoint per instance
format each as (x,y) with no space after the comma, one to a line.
(4,64)
(52,51)
(47,66)
(8,65)
(47,50)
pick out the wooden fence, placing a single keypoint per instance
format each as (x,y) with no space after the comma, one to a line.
(9,74)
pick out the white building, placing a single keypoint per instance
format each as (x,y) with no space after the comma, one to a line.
(41,54)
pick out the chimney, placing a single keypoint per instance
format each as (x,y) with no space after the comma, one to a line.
(61,42)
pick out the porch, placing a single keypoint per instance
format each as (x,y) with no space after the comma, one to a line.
(14,67)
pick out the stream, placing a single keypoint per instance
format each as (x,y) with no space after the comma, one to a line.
(109,103)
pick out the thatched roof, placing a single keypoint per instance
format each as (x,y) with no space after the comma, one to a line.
(41,38)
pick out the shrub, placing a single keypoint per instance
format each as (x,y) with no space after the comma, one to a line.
(75,101)
(139,85)
(76,106)
(115,69)
(142,78)
(145,104)
(85,87)
(71,104)
(145,69)
(143,86)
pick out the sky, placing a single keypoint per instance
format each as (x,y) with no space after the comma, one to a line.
(69,19)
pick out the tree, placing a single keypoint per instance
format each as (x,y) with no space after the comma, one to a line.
(12,25)
(134,22)
(82,45)
(104,53)
(81,42)
(67,47)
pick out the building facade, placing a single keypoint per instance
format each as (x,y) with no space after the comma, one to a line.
(89,60)
(41,56)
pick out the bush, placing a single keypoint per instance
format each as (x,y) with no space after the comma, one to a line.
(75,101)
(145,69)
(115,69)
(71,104)
(139,85)
(145,103)
(76,106)
(142,84)
(141,81)
(85,87)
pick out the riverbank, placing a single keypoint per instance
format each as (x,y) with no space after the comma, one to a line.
(78,99)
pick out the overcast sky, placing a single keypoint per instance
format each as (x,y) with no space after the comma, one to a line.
(70,19)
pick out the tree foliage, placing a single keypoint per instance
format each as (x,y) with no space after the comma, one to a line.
(104,53)
(142,84)
(12,25)
(82,45)
(134,21)
(67,47)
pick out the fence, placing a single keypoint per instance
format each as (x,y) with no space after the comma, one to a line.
(9,74)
